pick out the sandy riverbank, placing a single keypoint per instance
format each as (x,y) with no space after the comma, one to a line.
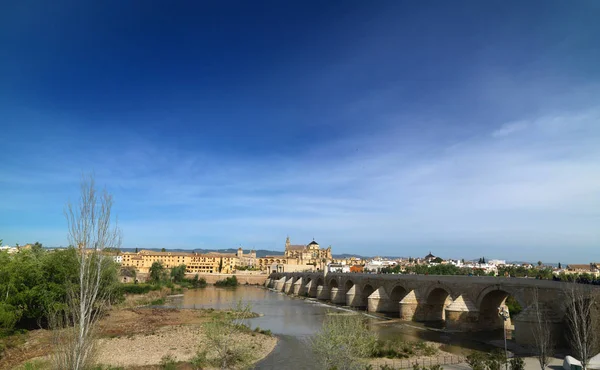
(138,338)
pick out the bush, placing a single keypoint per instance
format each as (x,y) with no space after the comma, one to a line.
(200,361)
(476,361)
(402,349)
(198,282)
(494,360)
(343,342)
(167,362)
(517,363)
(157,302)
(137,288)
(9,316)
(227,282)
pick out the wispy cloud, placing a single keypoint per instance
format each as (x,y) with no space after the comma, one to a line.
(510,128)
(538,191)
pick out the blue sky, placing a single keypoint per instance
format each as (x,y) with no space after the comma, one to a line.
(466,128)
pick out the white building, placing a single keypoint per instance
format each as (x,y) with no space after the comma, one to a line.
(338,267)
(118,258)
(378,264)
(9,249)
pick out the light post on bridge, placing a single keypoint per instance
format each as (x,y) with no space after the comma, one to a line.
(505,315)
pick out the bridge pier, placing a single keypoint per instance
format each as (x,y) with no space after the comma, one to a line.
(323,292)
(353,297)
(311,289)
(298,287)
(280,284)
(268,283)
(462,314)
(379,301)
(409,308)
(337,296)
(287,288)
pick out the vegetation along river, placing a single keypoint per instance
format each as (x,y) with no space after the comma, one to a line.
(295,319)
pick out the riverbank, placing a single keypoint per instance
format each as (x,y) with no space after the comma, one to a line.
(140,338)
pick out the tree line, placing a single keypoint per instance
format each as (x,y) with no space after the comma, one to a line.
(35,283)
(507,271)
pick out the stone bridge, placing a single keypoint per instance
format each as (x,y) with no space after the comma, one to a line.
(465,303)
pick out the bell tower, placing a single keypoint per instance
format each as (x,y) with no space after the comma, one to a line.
(287,242)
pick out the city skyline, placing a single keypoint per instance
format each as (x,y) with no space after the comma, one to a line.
(400,128)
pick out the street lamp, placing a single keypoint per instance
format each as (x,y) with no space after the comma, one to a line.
(505,315)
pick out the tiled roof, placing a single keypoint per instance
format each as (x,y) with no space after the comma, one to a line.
(580,267)
(296,247)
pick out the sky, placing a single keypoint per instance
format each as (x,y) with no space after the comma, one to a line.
(465,128)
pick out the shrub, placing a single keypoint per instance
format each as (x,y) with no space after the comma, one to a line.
(9,316)
(167,362)
(198,282)
(138,288)
(227,282)
(517,363)
(200,361)
(157,302)
(476,361)
(344,340)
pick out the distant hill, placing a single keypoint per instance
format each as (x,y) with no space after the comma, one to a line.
(347,255)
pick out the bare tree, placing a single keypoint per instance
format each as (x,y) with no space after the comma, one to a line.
(542,334)
(580,315)
(90,230)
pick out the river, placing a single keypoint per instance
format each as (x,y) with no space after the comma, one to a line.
(295,319)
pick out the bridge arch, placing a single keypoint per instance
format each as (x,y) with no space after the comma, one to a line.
(365,292)
(437,297)
(333,283)
(349,284)
(320,281)
(488,303)
(397,293)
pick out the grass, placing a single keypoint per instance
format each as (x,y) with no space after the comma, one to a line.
(12,340)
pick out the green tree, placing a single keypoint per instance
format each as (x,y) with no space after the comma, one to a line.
(178,273)
(136,250)
(539,263)
(163,250)
(559,266)
(37,247)
(343,342)
(156,272)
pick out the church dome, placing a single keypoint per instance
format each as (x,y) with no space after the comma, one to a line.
(313,243)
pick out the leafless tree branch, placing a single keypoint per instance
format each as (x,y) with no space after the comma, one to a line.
(90,231)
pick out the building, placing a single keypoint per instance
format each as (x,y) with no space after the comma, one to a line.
(195,263)
(375,265)
(338,267)
(8,249)
(246,260)
(298,258)
(591,268)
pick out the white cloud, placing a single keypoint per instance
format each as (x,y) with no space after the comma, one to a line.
(538,190)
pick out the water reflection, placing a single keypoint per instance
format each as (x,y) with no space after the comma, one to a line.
(294,320)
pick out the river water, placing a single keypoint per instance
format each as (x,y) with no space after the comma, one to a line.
(295,319)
